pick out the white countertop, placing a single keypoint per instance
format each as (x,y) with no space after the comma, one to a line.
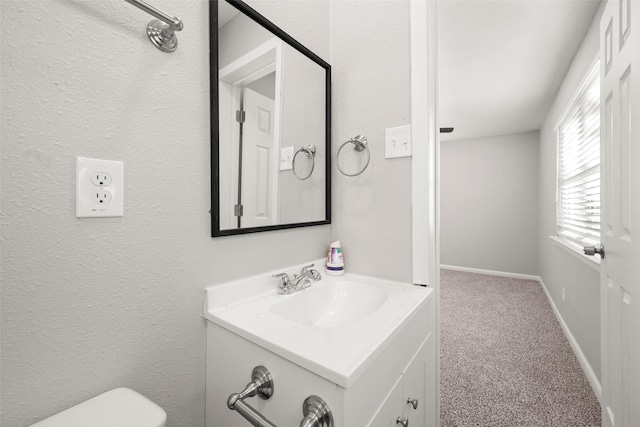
(339,354)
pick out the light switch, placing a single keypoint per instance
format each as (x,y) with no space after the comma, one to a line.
(286,158)
(397,142)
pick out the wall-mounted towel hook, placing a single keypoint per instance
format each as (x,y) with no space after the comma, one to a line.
(161,32)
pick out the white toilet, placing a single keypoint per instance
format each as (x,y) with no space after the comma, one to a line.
(120,407)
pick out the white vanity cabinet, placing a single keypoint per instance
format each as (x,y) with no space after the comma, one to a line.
(370,388)
(408,400)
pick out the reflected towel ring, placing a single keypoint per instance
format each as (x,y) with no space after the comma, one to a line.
(360,143)
(310,152)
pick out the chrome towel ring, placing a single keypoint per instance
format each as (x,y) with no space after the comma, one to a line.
(360,143)
(310,153)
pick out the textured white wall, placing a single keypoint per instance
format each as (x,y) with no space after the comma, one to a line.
(371,85)
(581,308)
(488,203)
(92,304)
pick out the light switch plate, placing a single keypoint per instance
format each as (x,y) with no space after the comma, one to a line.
(397,142)
(286,158)
(95,196)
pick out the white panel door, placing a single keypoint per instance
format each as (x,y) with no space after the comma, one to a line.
(259,161)
(620,222)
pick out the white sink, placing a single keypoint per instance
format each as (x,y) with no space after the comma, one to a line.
(335,304)
(334,328)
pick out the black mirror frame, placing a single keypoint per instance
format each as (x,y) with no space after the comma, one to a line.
(215,114)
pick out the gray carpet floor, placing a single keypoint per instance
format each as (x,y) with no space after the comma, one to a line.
(504,358)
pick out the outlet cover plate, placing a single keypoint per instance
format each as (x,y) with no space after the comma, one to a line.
(397,142)
(87,204)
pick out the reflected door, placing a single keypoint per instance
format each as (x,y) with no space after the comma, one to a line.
(259,161)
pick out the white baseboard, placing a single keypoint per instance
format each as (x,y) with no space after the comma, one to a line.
(586,366)
(490,272)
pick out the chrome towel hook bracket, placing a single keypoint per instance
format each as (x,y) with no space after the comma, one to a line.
(316,413)
(261,385)
(160,31)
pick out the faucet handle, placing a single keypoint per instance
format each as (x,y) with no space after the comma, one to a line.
(284,278)
(315,274)
(305,268)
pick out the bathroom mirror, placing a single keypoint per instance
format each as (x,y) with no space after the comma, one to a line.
(270,126)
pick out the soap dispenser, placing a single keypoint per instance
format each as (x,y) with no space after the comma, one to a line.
(335,260)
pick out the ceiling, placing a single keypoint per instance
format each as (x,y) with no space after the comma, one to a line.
(502,61)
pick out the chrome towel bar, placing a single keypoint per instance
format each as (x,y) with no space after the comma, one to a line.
(315,411)
(162,32)
(250,414)
(261,385)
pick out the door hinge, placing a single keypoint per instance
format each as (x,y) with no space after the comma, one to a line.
(238,210)
(240,116)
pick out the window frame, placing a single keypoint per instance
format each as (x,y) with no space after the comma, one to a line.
(572,240)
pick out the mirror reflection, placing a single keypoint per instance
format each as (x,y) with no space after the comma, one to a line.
(273,115)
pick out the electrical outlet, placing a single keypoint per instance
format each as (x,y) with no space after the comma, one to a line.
(101,179)
(99,188)
(563,293)
(102,197)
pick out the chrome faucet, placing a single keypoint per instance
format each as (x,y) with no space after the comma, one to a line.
(300,281)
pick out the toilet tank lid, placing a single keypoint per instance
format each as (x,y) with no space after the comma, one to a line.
(120,407)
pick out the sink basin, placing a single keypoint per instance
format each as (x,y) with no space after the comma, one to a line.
(333,305)
(335,328)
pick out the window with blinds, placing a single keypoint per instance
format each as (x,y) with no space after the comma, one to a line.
(578,201)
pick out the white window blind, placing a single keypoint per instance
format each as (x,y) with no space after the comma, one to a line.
(578,205)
